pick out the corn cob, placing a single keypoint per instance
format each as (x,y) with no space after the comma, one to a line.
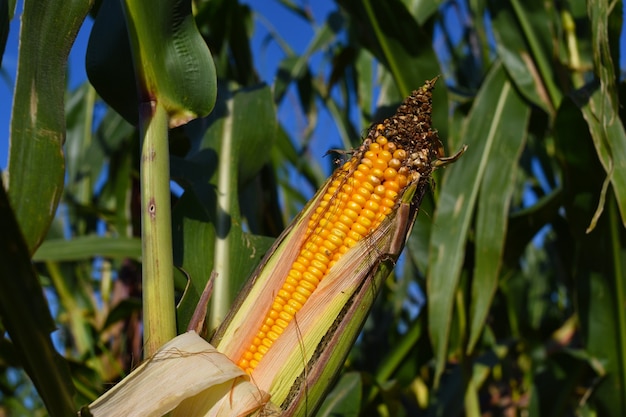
(362,193)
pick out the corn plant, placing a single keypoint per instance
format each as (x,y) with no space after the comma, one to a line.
(508,297)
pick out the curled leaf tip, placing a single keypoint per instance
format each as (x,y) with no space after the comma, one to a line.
(445,160)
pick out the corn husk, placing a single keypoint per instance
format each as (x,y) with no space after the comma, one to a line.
(186,377)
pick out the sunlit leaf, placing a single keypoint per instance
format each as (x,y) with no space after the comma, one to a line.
(36,166)
(87,247)
(609,138)
(522,34)
(487,124)
(493,211)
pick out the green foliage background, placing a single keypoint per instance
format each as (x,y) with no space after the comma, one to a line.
(515,322)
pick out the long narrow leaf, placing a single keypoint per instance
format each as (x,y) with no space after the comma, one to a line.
(25,315)
(512,44)
(485,126)
(86,247)
(601,109)
(493,212)
(36,166)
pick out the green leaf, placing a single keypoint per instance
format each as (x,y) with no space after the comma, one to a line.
(422,10)
(599,103)
(88,247)
(364,65)
(599,15)
(208,229)
(603,327)
(122,311)
(398,355)
(609,139)
(173,63)
(524,224)
(82,166)
(227,26)
(36,166)
(556,381)
(344,399)
(448,399)
(598,266)
(495,105)
(494,202)
(25,315)
(194,251)
(109,61)
(114,142)
(303,12)
(523,42)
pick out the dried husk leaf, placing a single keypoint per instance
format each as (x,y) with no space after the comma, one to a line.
(187,377)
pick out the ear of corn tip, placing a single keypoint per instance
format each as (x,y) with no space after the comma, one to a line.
(360,196)
(350,226)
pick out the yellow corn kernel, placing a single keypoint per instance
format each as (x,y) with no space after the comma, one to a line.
(390,174)
(400,154)
(392,186)
(395,163)
(362,193)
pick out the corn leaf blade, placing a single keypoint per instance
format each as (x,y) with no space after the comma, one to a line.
(36,165)
(609,138)
(344,399)
(493,205)
(458,195)
(600,103)
(26,318)
(522,33)
(174,65)
(87,247)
